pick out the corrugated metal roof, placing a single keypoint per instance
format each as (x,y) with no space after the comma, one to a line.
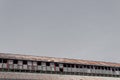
(61,60)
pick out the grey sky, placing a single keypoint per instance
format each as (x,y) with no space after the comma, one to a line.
(83,29)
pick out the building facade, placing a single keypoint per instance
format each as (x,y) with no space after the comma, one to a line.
(26,67)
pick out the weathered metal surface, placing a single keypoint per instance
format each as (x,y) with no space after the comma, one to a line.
(53,59)
(34,76)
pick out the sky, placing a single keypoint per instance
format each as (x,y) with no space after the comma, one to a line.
(79,29)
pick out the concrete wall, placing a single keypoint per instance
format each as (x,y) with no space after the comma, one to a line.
(35,76)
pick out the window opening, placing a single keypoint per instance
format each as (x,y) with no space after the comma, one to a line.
(4,60)
(48,64)
(61,70)
(24,62)
(39,63)
(15,61)
(0,60)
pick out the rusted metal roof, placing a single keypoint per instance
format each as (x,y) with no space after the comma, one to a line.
(61,60)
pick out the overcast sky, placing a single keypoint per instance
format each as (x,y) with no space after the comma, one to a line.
(82,29)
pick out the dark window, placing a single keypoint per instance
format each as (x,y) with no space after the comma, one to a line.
(102,68)
(4,60)
(39,63)
(80,66)
(116,69)
(88,67)
(61,70)
(0,60)
(72,65)
(24,62)
(47,63)
(92,67)
(56,64)
(108,68)
(65,65)
(15,61)
(77,66)
(69,65)
(113,69)
(119,69)
(96,67)
(105,68)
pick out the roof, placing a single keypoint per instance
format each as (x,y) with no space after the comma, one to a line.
(61,60)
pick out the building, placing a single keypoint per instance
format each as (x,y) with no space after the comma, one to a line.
(26,67)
